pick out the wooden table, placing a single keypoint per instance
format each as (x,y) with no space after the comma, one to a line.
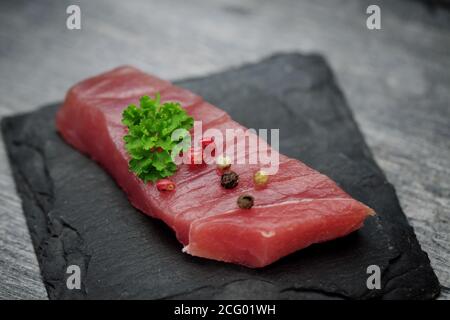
(396,80)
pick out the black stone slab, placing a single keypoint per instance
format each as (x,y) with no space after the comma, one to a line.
(77,214)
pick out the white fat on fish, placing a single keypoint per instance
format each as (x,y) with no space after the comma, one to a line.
(268,234)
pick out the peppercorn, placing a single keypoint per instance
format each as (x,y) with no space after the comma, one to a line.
(206,142)
(209,148)
(245,201)
(165,185)
(196,157)
(223,162)
(229,180)
(261,178)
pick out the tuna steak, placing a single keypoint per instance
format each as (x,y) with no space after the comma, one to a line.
(299,207)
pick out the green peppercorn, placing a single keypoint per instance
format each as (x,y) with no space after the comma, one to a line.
(260,178)
(245,201)
(229,180)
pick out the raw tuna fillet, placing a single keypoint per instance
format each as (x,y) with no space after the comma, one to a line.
(299,206)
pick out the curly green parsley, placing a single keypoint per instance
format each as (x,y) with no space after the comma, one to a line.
(149,140)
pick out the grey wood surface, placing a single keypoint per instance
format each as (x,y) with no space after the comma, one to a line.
(396,80)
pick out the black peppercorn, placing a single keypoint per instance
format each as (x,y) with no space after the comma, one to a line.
(229,180)
(245,201)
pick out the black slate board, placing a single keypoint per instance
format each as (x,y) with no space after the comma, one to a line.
(77,215)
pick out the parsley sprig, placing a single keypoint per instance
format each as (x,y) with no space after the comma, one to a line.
(149,140)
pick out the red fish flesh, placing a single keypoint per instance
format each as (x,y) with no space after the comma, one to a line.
(299,206)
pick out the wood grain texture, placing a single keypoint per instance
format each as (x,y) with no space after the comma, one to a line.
(396,81)
(74,222)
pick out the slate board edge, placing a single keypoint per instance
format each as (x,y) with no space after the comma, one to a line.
(24,189)
(413,273)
